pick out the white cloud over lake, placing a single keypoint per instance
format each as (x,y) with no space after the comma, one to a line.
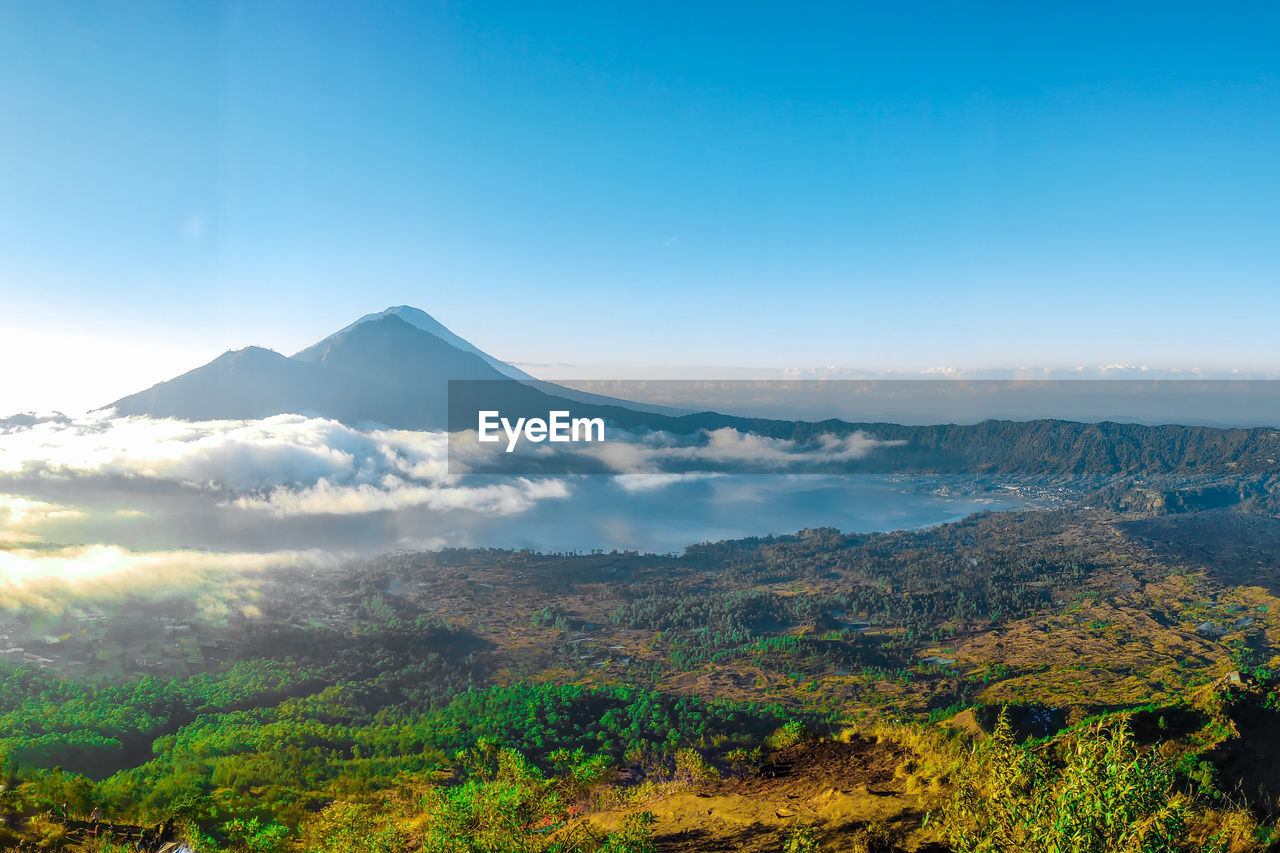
(104,506)
(290,465)
(326,498)
(230,455)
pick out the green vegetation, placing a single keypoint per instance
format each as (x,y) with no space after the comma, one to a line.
(1105,795)
(49,721)
(505,803)
(252,777)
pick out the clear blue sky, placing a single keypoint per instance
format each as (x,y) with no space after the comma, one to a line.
(869,185)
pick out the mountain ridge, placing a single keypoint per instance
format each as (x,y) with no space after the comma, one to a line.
(391,367)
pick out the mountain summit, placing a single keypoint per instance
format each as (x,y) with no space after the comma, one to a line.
(419,320)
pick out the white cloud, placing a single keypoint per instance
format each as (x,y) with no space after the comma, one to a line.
(291,466)
(325,498)
(654,452)
(233,455)
(17,511)
(287,465)
(21,518)
(46,577)
(634,483)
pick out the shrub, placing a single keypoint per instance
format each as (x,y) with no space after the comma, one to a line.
(744,760)
(874,838)
(1107,797)
(690,767)
(788,734)
(636,835)
(254,836)
(802,838)
(354,828)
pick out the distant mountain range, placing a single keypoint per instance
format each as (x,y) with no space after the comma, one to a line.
(394,368)
(391,368)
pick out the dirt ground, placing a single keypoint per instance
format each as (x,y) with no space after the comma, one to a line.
(858,792)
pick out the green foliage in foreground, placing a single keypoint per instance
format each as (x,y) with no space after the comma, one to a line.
(498,802)
(252,776)
(47,721)
(284,761)
(504,803)
(1107,796)
(507,804)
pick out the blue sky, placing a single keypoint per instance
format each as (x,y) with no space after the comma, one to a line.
(867,185)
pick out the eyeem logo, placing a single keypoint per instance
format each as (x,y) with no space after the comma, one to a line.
(558,427)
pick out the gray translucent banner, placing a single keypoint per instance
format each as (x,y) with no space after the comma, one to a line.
(1077,428)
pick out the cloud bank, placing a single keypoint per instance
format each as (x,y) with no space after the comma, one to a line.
(228,455)
(725,450)
(285,465)
(103,505)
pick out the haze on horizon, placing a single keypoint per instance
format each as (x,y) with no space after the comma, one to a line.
(870,188)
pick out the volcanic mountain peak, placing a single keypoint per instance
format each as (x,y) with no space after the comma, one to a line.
(392,368)
(422,321)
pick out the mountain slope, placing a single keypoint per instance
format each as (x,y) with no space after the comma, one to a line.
(249,383)
(425,322)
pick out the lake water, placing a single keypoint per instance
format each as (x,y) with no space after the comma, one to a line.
(665,517)
(649,513)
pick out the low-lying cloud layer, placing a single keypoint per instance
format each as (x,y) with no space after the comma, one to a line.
(727,447)
(100,503)
(21,517)
(286,465)
(724,450)
(291,465)
(328,498)
(233,456)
